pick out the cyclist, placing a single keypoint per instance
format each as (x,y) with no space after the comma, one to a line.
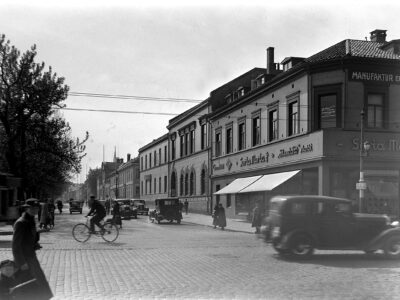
(98,211)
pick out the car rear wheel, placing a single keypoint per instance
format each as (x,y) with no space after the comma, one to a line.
(392,247)
(301,246)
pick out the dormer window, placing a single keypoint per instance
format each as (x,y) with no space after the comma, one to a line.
(228,98)
(240,92)
(262,80)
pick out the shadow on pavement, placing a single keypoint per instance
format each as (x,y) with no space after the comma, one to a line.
(346,260)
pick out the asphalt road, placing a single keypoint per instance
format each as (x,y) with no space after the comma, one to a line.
(189,261)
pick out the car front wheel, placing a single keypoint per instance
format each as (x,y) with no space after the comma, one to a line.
(392,247)
(301,246)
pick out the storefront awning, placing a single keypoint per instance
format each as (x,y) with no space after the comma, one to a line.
(237,185)
(268,182)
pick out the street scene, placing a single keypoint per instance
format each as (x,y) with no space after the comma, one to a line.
(199,150)
(194,261)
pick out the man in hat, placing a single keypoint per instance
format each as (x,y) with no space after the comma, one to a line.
(98,211)
(24,244)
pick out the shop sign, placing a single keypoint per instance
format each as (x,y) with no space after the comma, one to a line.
(374,76)
(390,145)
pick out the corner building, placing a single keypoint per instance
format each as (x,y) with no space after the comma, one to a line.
(295,129)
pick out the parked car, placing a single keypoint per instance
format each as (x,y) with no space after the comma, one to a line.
(127,209)
(141,206)
(75,206)
(296,225)
(166,209)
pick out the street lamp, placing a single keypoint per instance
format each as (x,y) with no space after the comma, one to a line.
(364,148)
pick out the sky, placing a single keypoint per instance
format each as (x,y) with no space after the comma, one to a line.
(167,56)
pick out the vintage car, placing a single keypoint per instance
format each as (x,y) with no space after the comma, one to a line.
(296,225)
(141,206)
(75,206)
(166,209)
(127,209)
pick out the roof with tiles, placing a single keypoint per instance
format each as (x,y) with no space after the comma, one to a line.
(353,48)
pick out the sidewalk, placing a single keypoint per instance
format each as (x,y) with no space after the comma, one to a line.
(231,224)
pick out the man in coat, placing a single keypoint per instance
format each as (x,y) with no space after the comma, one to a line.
(24,244)
(257,218)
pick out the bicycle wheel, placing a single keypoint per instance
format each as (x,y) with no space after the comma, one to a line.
(81,232)
(111,232)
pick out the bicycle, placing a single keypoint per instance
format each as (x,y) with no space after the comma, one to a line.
(109,233)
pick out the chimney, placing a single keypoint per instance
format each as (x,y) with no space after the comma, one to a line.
(378,35)
(128,157)
(270,60)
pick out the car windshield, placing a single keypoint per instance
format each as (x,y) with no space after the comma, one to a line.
(123,202)
(138,202)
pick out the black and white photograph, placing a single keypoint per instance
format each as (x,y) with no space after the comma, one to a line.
(199,149)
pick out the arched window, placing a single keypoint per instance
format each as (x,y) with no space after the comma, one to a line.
(203,181)
(181,185)
(186,184)
(173,184)
(192,183)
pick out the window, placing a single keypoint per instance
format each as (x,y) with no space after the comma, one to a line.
(203,182)
(192,183)
(228,200)
(192,139)
(141,163)
(242,135)
(256,130)
(218,143)
(159,156)
(165,184)
(327,107)
(293,118)
(182,148)
(173,149)
(155,157)
(273,132)
(182,185)
(149,160)
(186,184)
(375,108)
(145,161)
(203,136)
(187,138)
(155,185)
(298,209)
(228,140)
(173,185)
(165,154)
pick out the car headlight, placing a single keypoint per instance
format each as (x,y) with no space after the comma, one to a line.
(276,231)
(395,224)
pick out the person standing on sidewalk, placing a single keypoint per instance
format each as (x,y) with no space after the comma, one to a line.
(186,206)
(24,243)
(221,216)
(215,216)
(257,217)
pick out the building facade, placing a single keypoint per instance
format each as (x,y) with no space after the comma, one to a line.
(125,180)
(298,130)
(153,159)
(189,157)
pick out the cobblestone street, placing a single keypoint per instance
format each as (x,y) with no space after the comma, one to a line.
(193,261)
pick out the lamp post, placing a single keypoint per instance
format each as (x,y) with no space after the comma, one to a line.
(364,148)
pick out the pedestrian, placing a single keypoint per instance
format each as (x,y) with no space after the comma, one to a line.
(221,216)
(180,206)
(52,209)
(7,278)
(215,216)
(116,214)
(24,244)
(44,215)
(60,206)
(186,205)
(257,217)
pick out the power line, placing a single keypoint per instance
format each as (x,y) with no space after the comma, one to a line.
(131,97)
(120,111)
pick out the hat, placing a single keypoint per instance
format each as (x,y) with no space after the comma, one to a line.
(31,203)
(7,262)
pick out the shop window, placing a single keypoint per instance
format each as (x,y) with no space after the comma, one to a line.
(229,140)
(228,200)
(242,134)
(256,129)
(273,132)
(173,185)
(218,143)
(375,108)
